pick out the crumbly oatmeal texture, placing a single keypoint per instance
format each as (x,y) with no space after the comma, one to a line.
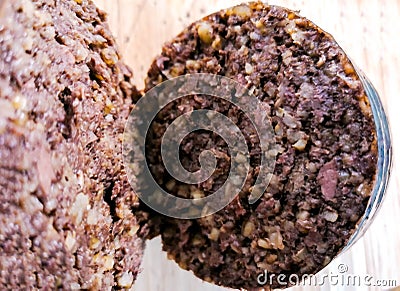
(325,145)
(65,203)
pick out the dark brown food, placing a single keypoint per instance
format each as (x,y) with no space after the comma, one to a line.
(326,147)
(65,203)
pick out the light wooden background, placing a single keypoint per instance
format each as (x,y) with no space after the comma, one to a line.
(368,30)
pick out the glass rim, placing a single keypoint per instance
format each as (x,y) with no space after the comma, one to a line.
(384,163)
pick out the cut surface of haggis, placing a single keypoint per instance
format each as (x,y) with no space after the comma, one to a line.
(325,151)
(65,203)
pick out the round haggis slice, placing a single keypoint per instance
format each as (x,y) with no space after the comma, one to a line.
(66,219)
(326,153)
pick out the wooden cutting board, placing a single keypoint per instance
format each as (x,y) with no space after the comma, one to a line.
(368,30)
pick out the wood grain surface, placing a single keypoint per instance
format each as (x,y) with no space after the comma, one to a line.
(368,30)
